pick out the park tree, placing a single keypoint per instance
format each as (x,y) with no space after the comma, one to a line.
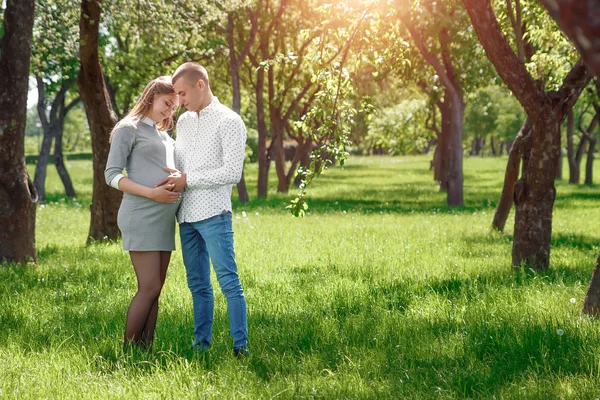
(280,26)
(17,192)
(440,32)
(55,69)
(579,20)
(101,120)
(583,118)
(534,193)
(548,57)
(297,43)
(240,38)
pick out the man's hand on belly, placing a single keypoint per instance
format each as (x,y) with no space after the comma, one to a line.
(176,181)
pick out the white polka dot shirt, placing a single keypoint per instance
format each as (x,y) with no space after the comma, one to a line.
(210,150)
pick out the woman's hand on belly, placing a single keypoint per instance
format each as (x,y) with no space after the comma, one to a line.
(164,194)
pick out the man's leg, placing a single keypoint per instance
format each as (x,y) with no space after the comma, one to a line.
(218,235)
(197,266)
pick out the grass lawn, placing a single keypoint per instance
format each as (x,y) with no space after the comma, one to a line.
(379,292)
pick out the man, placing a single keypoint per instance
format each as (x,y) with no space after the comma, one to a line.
(209,156)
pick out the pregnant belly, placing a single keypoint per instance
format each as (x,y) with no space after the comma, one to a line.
(139,202)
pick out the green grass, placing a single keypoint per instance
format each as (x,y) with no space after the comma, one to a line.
(379,292)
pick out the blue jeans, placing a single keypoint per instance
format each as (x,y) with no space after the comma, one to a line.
(213,239)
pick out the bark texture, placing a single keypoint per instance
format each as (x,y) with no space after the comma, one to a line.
(17,192)
(101,120)
(534,192)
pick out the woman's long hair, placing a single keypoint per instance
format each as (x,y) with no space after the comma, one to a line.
(156,87)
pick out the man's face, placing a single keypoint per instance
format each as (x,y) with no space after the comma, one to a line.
(191,94)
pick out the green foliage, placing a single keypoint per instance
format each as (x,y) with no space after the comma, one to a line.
(400,129)
(492,111)
(331,125)
(481,113)
(511,115)
(554,54)
(141,41)
(55,43)
(380,292)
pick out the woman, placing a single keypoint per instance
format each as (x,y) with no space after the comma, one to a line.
(140,144)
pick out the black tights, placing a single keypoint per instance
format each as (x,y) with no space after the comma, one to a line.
(151,270)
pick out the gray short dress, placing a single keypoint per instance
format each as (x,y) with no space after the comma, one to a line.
(143,151)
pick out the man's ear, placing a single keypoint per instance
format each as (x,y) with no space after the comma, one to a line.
(201,84)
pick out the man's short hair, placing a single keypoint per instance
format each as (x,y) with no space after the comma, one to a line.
(192,72)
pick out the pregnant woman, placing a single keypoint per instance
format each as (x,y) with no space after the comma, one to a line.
(141,145)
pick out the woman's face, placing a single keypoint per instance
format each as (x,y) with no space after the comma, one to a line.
(163,107)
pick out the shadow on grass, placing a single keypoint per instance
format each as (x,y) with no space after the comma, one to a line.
(492,354)
(582,242)
(340,331)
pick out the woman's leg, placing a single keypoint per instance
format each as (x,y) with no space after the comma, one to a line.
(148,333)
(147,270)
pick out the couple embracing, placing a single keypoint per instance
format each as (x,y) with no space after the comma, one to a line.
(190,178)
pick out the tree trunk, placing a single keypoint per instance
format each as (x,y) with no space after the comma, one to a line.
(587,137)
(510,177)
(41,168)
(477,145)
(455,175)
(277,142)
(263,156)
(535,194)
(17,193)
(60,163)
(591,304)
(242,190)
(473,147)
(237,104)
(493,146)
(101,119)
(303,155)
(52,126)
(573,165)
(441,156)
(237,97)
(589,165)
(559,166)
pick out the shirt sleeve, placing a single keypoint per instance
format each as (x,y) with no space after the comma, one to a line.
(233,141)
(120,147)
(177,154)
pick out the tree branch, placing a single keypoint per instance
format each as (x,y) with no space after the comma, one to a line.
(575,81)
(516,24)
(430,58)
(579,20)
(507,63)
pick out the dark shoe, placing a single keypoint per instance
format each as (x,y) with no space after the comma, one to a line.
(241,352)
(200,347)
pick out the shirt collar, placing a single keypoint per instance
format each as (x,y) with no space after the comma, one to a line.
(148,121)
(215,101)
